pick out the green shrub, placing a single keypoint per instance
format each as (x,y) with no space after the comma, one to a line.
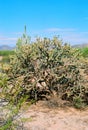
(84,51)
(78,103)
(6,52)
(6,55)
(44,68)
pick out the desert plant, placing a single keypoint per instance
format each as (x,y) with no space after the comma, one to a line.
(78,103)
(43,68)
(84,51)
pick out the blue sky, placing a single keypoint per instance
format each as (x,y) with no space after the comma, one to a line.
(44,18)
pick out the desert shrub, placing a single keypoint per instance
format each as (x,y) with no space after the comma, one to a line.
(78,102)
(6,55)
(6,52)
(84,59)
(9,112)
(10,117)
(44,69)
(5,59)
(84,51)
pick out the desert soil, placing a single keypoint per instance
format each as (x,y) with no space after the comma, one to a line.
(40,117)
(1,58)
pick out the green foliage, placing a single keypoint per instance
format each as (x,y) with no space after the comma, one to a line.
(6,52)
(78,103)
(84,51)
(11,121)
(6,55)
(3,84)
(84,60)
(43,69)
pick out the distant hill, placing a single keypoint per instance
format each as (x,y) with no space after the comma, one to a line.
(6,47)
(80,45)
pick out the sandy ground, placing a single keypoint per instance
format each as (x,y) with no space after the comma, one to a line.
(1,58)
(39,117)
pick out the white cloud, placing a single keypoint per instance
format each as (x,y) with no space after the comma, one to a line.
(59,30)
(75,38)
(17,33)
(11,43)
(8,41)
(85,32)
(8,38)
(70,35)
(12,39)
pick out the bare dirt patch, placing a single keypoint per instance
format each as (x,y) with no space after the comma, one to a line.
(1,58)
(39,117)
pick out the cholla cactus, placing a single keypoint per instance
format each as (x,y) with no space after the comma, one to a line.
(45,68)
